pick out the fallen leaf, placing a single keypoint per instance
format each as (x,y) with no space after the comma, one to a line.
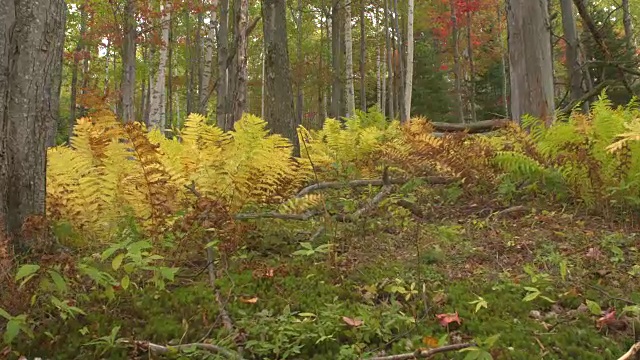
(608,318)
(431,342)
(252,300)
(446,319)
(352,322)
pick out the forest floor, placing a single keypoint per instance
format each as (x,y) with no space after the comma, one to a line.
(537,279)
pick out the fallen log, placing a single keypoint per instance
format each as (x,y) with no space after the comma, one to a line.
(471,128)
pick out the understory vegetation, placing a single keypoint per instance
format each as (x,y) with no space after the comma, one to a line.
(380,239)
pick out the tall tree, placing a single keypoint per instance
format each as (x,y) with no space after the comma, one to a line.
(31,45)
(336,60)
(409,74)
(390,66)
(157,100)
(348,42)
(363,57)
(223,72)
(472,69)
(457,70)
(278,107)
(530,60)
(241,77)
(78,54)
(127,86)
(207,65)
(628,27)
(574,70)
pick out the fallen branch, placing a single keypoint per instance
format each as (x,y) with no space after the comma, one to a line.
(593,92)
(471,128)
(507,211)
(634,350)
(425,354)
(384,192)
(434,180)
(162,350)
(412,207)
(275,215)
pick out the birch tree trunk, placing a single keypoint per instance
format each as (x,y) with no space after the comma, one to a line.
(503,65)
(348,42)
(378,79)
(207,66)
(279,110)
(530,59)
(409,74)
(157,104)
(223,74)
(457,71)
(383,91)
(127,86)
(31,48)
(574,70)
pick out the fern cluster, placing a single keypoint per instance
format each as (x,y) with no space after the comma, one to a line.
(572,159)
(112,171)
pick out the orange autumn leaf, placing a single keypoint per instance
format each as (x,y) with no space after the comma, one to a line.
(431,342)
(352,322)
(252,300)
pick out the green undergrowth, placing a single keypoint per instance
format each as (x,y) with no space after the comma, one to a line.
(522,283)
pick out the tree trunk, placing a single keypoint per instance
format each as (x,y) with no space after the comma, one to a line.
(157,114)
(127,86)
(279,112)
(530,60)
(207,66)
(336,60)
(348,42)
(390,93)
(628,27)
(189,72)
(223,74)
(383,85)
(299,96)
(574,69)
(409,75)
(170,73)
(240,87)
(31,47)
(400,77)
(503,66)
(457,71)
(378,79)
(77,55)
(472,71)
(363,58)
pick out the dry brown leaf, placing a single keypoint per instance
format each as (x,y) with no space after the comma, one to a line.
(352,322)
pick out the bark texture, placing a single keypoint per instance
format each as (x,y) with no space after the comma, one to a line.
(31,45)
(127,87)
(348,42)
(157,101)
(571,39)
(241,74)
(530,60)
(457,71)
(278,109)
(207,66)
(223,74)
(409,74)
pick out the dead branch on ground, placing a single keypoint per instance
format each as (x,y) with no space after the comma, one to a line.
(634,350)
(434,180)
(425,354)
(162,350)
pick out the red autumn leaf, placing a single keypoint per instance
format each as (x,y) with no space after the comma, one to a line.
(608,318)
(446,319)
(352,322)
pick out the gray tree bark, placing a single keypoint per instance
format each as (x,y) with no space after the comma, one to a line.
(348,42)
(223,73)
(530,60)
(31,46)
(127,86)
(337,87)
(628,27)
(457,71)
(241,73)
(363,58)
(157,92)
(574,69)
(278,109)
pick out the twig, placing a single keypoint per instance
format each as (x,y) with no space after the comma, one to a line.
(275,215)
(635,349)
(435,180)
(425,354)
(412,207)
(161,350)
(384,192)
(611,296)
(508,211)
